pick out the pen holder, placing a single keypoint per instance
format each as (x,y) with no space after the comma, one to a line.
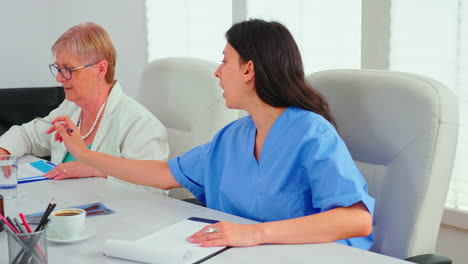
(27,248)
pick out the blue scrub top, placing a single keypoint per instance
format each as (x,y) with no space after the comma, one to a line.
(304,168)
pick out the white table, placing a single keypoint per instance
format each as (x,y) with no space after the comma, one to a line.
(140,212)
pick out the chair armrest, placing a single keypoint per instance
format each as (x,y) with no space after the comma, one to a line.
(430,259)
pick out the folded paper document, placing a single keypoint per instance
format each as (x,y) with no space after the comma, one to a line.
(169,245)
(34,171)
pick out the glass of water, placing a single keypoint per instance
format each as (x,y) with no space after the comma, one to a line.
(8,176)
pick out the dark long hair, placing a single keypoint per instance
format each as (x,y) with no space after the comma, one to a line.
(279,73)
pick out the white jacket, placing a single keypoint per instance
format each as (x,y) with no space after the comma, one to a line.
(127,130)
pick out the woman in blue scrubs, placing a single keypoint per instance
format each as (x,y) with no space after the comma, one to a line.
(284,165)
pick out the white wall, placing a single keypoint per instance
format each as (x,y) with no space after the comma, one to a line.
(25,43)
(28,28)
(453,242)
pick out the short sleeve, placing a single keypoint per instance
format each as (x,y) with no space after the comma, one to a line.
(190,168)
(334,178)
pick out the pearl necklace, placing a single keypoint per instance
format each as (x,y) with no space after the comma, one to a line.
(95,121)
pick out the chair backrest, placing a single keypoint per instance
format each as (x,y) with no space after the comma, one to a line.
(401,130)
(21,105)
(185,95)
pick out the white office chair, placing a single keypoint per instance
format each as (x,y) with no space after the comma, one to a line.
(401,130)
(185,95)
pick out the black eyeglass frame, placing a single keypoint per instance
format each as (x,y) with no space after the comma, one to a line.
(59,69)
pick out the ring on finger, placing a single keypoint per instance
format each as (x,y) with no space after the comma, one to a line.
(211,230)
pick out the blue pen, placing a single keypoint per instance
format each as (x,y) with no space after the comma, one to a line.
(51,164)
(33,180)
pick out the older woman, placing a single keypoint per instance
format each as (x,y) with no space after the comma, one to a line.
(108,120)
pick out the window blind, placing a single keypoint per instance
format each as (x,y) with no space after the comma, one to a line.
(184,28)
(328,33)
(430,38)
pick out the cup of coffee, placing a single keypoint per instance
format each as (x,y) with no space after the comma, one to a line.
(68,223)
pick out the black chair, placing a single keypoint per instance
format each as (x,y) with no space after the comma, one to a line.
(21,105)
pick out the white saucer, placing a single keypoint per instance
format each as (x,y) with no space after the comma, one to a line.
(87,232)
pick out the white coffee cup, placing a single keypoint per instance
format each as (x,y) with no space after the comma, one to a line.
(68,223)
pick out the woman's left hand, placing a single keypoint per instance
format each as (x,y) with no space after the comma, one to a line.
(72,169)
(6,169)
(227,234)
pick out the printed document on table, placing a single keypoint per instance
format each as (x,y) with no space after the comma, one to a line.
(34,171)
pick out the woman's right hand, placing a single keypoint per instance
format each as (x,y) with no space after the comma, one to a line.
(69,134)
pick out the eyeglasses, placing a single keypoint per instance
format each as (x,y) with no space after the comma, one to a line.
(64,71)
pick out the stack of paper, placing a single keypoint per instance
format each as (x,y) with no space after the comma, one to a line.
(169,245)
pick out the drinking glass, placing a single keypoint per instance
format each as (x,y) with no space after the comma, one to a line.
(8,176)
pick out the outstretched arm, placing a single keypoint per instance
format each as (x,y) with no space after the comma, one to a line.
(143,172)
(336,224)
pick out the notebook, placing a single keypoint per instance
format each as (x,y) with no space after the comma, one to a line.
(168,245)
(34,171)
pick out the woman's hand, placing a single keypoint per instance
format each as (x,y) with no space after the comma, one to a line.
(72,169)
(69,134)
(227,234)
(6,169)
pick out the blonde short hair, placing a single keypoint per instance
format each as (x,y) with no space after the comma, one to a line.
(90,42)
